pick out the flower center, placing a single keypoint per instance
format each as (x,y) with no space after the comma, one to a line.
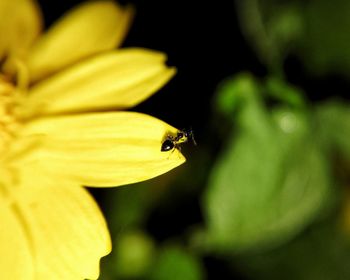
(8,122)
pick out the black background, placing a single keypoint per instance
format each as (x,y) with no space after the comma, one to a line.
(202,40)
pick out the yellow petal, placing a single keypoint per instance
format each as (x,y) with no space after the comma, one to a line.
(16,261)
(119,79)
(88,29)
(20,24)
(101,149)
(68,232)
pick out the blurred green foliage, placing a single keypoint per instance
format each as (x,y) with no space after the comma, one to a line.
(274,200)
(272,178)
(316,31)
(334,124)
(325,44)
(132,255)
(174,263)
(321,252)
(272,27)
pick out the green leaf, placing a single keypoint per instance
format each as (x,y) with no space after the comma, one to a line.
(270,181)
(174,263)
(333,119)
(233,91)
(285,92)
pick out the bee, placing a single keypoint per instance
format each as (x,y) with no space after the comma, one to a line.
(172,142)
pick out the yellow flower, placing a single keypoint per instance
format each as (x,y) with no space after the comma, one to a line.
(61,128)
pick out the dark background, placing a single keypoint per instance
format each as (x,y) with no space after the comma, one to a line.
(201,38)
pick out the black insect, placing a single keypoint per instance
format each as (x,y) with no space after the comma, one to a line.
(172,142)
